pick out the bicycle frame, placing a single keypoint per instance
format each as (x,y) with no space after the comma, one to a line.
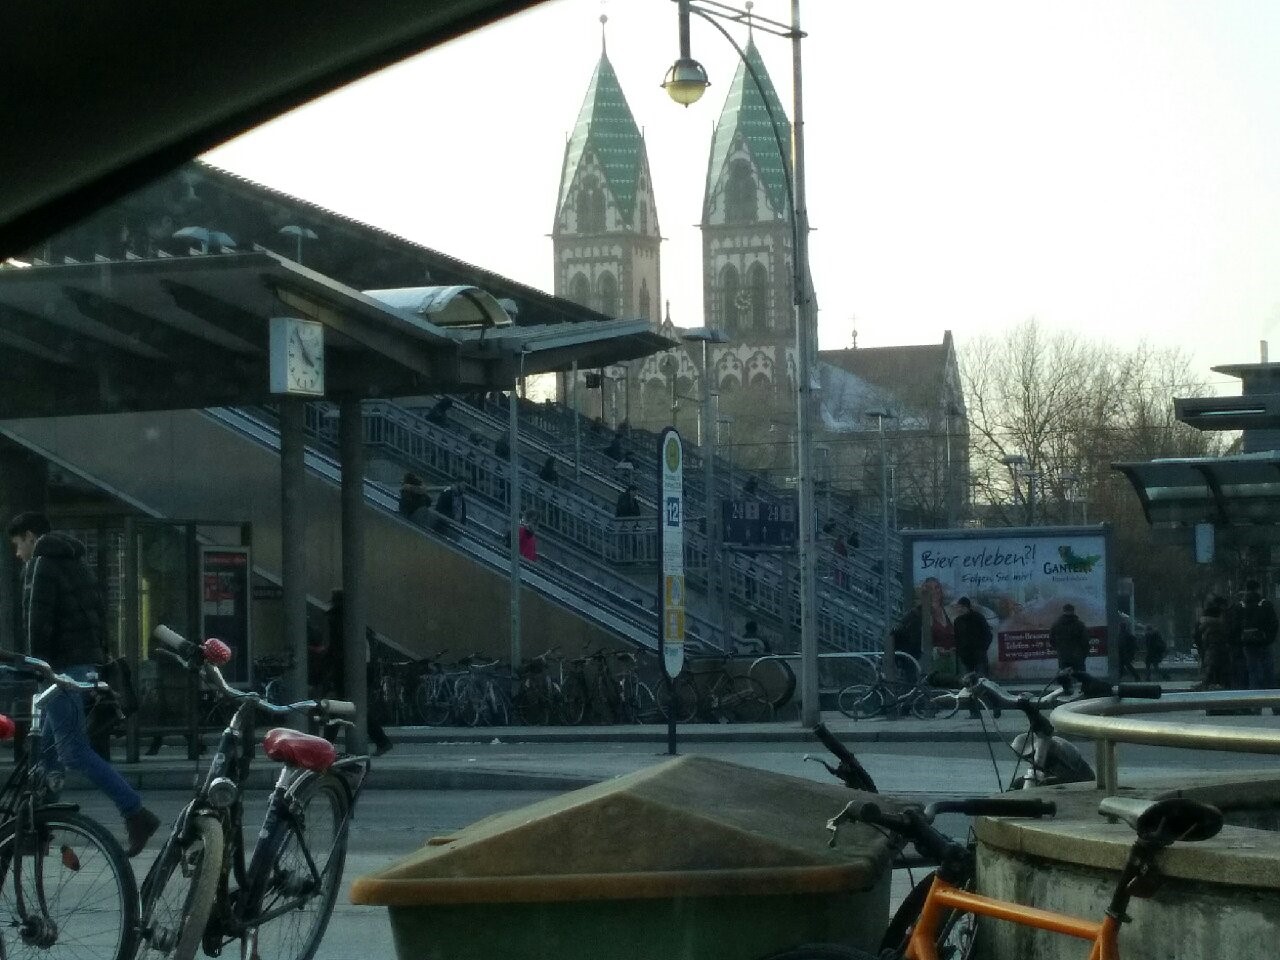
(235,915)
(945,896)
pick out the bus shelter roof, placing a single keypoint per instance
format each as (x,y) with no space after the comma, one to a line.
(192,332)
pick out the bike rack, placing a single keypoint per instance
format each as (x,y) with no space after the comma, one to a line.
(1110,720)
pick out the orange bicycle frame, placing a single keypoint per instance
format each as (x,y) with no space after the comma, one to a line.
(944,896)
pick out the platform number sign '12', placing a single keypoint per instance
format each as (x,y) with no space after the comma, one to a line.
(671,533)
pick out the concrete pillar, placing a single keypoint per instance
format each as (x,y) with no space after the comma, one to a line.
(293,530)
(355,649)
(23,486)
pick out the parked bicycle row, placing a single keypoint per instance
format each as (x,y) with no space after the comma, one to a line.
(600,687)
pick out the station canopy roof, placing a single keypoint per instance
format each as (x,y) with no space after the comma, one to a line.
(1240,493)
(192,332)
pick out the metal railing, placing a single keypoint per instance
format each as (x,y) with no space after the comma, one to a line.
(1110,720)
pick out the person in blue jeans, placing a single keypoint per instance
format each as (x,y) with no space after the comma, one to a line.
(64,623)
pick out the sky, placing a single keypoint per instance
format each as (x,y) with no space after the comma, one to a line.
(1108,168)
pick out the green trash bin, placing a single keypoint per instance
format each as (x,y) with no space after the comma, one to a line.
(692,859)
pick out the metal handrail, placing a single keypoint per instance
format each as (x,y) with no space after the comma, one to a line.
(1108,721)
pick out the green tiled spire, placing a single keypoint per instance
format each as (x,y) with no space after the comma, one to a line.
(745,115)
(606,128)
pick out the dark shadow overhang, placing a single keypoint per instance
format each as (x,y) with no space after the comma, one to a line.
(180,333)
(1255,412)
(1240,493)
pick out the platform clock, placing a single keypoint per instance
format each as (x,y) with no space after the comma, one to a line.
(297,357)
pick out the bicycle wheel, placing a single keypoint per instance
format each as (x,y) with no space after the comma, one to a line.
(858,701)
(321,835)
(533,706)
(956,934)
(748,703)
(944,704)
(431,700)
(573,703)
(88,888)
(641,702)
(179,892)
(683,703)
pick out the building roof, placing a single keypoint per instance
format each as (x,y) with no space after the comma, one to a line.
(355,253)
(606,129)
(894,367)
(747,116)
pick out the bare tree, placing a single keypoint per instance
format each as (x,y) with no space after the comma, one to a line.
(1071,407)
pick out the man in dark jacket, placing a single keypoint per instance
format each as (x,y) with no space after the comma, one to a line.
(628,505)
(65,625)
(1252,635)
(1070,638)
(973,638)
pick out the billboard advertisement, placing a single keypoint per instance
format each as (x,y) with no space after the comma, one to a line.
(1020,580)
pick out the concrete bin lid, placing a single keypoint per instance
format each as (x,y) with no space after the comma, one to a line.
(691,826)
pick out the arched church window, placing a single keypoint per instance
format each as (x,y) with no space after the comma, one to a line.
(580,290)
(591,208)
(740,194)
(608,294)
(759,284)
(729,295)
(644,299)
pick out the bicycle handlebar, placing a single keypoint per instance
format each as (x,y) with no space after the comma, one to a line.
(45,672)
(194,657)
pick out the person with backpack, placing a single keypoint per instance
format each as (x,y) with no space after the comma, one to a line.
(972,635)
(1253,637)
(64,620)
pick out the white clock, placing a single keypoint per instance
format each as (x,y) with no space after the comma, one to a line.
(297,356)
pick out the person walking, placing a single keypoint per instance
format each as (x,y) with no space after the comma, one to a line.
(333,675)
(64,621)
(528,540)
(628,505)
(413,496)
(972,635)
(1070,639)
(1211,638)
(1154,650)
(1128,650)
(1253,636)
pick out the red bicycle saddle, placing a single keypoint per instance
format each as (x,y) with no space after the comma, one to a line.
(299,749)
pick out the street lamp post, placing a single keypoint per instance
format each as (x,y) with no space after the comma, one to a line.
(886,609)
(685,82)
(707,447)
(1017,465)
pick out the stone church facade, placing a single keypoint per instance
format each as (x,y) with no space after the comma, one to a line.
(606,248)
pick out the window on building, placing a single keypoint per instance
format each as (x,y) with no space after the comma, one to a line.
(609,295)
(759,284)
(644,299)
(580,289)
(729,293)
(591,207)
(740,194)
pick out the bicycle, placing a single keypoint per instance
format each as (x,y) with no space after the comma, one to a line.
(862,701)
(715,695)
(1050,759)
(1157,823)
(200,892)
(538,693)
(433,694)
(84,897)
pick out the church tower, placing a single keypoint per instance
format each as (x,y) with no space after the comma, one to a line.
(606,236)
(746,235)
